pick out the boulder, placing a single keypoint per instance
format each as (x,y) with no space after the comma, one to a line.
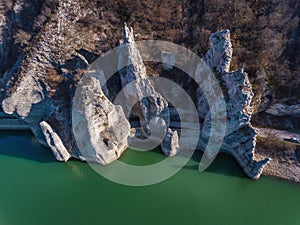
(170,146)
(100,127)
(54,142)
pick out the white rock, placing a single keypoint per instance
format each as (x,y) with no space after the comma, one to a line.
(100,128)
(220,53)
(58,149)
(139,95)
(240,139)
(170,146)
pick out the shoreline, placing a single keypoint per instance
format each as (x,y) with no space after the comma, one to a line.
(285,163)
(283,171)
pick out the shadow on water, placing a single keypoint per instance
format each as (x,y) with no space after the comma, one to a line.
(22,144)
(223,164)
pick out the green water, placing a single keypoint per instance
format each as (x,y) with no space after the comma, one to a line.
(36,190)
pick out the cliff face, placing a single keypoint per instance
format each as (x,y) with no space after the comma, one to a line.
(240,137)
(265,36)
(45,46)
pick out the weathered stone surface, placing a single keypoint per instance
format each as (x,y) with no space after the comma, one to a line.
(168,60)
(220,53)
(140,93)
(202,104)
(284,110)
(239,95)
(54,142)
(27,93)
(101,128)
(170,146)
(240,139)
(241,145)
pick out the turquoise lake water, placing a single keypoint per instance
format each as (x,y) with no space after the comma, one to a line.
(37,190)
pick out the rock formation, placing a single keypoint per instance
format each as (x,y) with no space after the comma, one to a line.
(240,139)
(100,128)
(139,94)
(284,110)
(32,100)
(219,55)
(170,146)
(147,103)
(55,143)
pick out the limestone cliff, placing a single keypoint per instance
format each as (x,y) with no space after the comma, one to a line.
(240,139)
(139,95)
(100,128)
(46,46)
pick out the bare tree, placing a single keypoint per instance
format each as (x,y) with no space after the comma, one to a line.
(22,37)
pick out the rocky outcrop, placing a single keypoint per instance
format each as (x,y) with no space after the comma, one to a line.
(284,110)
(54,142)
(219,55)
(140,96)
(279,116)
(100,128)
(240,139)
(170,146)
(27,93)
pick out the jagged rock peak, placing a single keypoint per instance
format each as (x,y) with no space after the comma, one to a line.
(136,68)
(240,139)
(128,36)
(137,86)
(220,53)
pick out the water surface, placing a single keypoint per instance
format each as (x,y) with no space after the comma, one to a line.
(37,190)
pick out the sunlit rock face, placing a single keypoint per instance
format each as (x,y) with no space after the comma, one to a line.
(139,94)
(39,84)
(240,139)
(100,127)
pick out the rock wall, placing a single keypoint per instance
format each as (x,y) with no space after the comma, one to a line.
(40,82)
(240,139)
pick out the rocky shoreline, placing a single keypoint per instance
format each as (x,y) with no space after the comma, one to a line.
(90,133)
(42,67)
(285,163)
(288,171)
